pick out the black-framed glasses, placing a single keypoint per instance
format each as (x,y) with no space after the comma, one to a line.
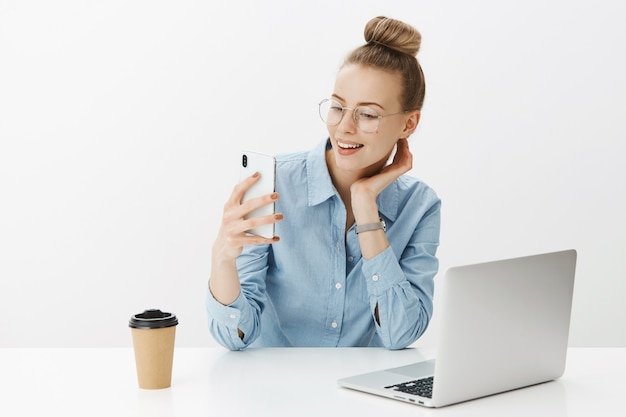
(366,118)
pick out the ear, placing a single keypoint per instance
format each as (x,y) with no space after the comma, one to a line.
(411,123)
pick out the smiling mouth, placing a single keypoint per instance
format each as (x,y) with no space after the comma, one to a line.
(349,145)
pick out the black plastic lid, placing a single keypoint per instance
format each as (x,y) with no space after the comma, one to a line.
(153,319)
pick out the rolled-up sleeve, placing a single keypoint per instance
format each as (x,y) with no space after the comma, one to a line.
(402,285)
(225,321)
(245,312)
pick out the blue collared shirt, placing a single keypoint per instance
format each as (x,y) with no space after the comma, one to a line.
(313,287)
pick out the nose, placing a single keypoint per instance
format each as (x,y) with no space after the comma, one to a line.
(347,122)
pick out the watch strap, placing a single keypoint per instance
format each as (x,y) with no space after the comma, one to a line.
(370,226)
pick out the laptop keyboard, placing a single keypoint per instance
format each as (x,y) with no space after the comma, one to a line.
(422,387)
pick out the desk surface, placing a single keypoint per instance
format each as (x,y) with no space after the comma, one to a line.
(279,382)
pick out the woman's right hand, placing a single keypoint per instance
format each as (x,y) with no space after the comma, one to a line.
(232,236)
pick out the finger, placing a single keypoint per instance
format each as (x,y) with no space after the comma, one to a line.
(233,244)
(403,157)
(257,202)
(259,240)
(254,222)
(249,239)
(244,185)
(402,148)
(234,234)
(234,214)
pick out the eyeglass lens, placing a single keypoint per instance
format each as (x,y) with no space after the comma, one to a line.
(365,117)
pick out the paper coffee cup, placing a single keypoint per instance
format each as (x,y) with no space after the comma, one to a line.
(153,333)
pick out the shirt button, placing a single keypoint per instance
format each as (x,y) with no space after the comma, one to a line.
(338,285)
(375,278)
(334,324)
(350,258)
(232,316)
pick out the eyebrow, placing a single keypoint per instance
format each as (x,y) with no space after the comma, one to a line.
(366,103)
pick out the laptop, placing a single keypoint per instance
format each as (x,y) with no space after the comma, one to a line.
(503,325)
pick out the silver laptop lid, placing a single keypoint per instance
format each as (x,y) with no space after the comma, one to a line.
(504,325)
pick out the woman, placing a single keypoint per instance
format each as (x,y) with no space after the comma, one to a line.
(354,259)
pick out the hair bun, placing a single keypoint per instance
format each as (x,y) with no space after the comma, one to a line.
(393,34)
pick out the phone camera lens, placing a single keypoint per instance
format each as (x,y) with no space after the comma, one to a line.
(244,161)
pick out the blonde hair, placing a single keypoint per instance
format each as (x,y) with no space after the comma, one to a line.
(392,45)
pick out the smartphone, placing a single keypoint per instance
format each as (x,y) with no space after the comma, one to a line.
(252,162)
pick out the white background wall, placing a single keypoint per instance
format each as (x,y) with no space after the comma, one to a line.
(121,122)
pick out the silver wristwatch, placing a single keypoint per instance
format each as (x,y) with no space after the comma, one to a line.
(371,226)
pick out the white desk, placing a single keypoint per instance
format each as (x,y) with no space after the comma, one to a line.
(278,382)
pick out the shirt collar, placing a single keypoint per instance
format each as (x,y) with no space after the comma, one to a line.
(321,187)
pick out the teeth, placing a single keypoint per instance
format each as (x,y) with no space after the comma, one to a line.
(348,146)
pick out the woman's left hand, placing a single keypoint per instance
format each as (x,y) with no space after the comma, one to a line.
(367,189)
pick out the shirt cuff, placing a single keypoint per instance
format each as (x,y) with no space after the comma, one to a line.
(382,272)
(236,315)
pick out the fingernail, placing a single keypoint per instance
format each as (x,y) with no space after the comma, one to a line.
(256,174)
(274,196)
(278,216)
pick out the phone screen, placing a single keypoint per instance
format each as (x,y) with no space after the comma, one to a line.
(252,162)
